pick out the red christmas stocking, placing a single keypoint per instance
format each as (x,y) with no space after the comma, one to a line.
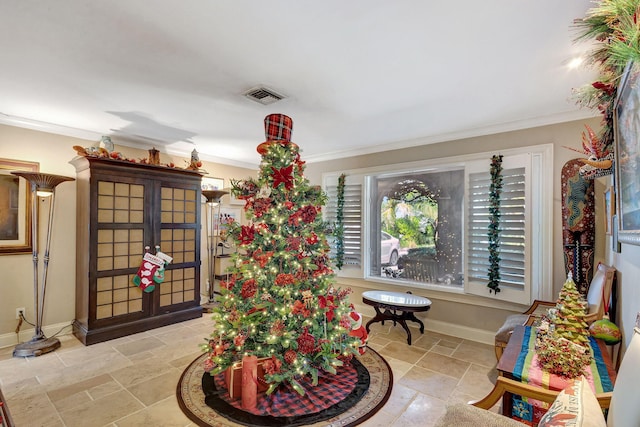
(144,277)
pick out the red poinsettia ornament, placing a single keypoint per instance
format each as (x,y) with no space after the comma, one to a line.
(247,235)
(283,176)
(249,288)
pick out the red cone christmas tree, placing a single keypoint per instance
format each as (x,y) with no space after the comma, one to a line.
(563,343)
(280,302)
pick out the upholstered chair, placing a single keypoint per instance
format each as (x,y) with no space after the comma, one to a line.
(598,297)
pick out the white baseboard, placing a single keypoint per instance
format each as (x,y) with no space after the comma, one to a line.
(472,334)
(9,340)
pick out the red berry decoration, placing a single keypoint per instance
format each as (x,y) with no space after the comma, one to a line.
(290,356)
(306,342)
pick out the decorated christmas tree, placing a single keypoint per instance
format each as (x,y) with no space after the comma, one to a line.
(563,340)
(280,303)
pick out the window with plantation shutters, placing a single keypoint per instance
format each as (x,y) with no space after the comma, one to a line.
(435,214)
(352,221)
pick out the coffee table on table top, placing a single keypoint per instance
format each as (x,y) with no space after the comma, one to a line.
(519,362)
(398,307)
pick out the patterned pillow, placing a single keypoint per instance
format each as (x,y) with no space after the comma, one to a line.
(575,406)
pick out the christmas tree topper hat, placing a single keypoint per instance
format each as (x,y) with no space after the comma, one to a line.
(277,129)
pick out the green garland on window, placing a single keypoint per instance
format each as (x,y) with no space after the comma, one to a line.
(339,231)
(494,224)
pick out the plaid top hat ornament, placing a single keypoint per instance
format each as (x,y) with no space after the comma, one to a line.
(277,130)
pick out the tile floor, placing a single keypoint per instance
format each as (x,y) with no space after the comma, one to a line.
(131,381)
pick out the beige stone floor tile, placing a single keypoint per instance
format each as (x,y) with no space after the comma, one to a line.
(14,370)
(68,342)
(442,350)
(398,368)
(142,370)
(184,361)
(402,351)
(445,337)
(178,349)
(138,346)
(104,389)
(84,355)
(481,354)
(83,392)
(379,340)
(45,363)
(444,364)
(164,329)
(21,387)
(423,411)
(477,381)
(156,389)
(165,413)
(93,367)
(448,344)
(140,357)
(399,399)
(81,386)
(102,411)
(429,382)
(376,347)
(425,342)
(176,334)
(33,410)
(380,419)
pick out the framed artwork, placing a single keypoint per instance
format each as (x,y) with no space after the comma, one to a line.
(212,183)
(15,207)
(609,210)
(627,155)
(233,200)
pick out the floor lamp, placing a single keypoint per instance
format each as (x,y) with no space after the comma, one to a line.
(42,185)
(213,201)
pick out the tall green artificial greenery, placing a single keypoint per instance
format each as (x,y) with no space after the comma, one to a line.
(495,191)
(338,233)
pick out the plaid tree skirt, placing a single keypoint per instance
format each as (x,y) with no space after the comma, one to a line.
(333,395)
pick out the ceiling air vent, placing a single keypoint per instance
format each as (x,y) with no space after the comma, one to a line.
(263,95)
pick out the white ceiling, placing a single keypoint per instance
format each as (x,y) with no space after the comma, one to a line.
(360,76)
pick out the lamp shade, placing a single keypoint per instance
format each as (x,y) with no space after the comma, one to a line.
(43,181)
(214,196)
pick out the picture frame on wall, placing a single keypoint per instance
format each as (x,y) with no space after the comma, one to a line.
(627,155)
(15,207)
(212,183)
(609,210)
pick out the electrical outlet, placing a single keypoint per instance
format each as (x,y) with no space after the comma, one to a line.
(19,311)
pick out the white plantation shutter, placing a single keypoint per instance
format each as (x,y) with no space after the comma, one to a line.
(512,227)
(352,221)
(515,227)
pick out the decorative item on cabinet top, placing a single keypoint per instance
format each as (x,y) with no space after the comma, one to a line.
(102,151)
